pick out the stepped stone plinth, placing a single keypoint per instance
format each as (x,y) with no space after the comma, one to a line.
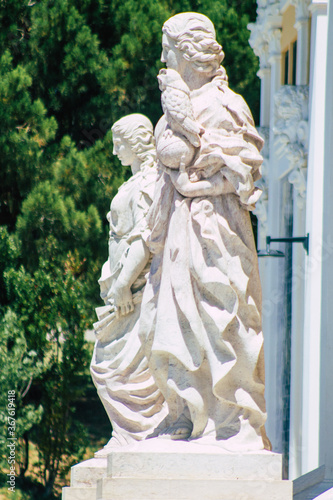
(162,469)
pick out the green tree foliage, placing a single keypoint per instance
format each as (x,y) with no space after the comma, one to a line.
(68,70)
(20,367)
(46,213)
(25,130)
(53,316)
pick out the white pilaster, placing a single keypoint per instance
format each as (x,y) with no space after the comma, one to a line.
(265,86)
(303,32)
(273,286)
(291,139)
(314,225)
(297,325)
(326,393)
(274,41)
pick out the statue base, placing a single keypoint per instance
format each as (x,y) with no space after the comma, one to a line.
(162,469)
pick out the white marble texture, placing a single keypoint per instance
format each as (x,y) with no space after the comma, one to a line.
(166,470)
(76,493)
(200,321)
(119,368)
(161,469)
(158,458)
(173,489)
(86,474)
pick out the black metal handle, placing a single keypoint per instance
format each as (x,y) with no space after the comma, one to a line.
(276,253)
(294,239)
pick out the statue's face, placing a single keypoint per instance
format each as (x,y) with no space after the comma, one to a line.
(171,56)
(123,150)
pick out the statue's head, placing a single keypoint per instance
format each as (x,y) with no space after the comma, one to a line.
(194,36)
(137,132)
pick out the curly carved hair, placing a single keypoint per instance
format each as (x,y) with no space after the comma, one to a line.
(194,35)
(138,131)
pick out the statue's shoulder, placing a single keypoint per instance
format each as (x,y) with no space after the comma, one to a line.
(235,104)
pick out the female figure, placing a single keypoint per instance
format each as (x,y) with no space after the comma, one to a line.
(201,310)
(119,368)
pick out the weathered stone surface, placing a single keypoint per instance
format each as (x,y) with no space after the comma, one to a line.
(87,473)
(88,493)
(200,322)
(160,469)
(183,489)
(119,368)
(166,459)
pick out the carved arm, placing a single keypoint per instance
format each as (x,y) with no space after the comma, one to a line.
(137,258)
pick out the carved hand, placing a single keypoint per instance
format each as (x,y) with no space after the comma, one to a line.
(137,258)
(214,186)
(123,300)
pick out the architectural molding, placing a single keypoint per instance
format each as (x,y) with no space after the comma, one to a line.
(301,141)
(302,10)
(264,133)
(291,134)
(274,43)
(261,210)
(319,6)
(298,179)
(268,20)
(263,54)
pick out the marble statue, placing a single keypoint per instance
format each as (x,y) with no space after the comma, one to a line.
(177,106)
(119,368)
(200,323)
(179,361)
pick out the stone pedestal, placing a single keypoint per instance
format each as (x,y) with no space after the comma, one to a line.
(84,477)
(163,470)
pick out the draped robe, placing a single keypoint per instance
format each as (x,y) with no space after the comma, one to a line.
(119,368)
(201,311)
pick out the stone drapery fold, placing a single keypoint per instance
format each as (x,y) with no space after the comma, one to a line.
(201,310)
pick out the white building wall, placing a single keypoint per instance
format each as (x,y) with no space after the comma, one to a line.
(314,226)
(295,118)
(326,375)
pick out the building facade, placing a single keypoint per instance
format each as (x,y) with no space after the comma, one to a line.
(294,42)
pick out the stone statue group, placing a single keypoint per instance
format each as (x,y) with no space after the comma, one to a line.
(179,349)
